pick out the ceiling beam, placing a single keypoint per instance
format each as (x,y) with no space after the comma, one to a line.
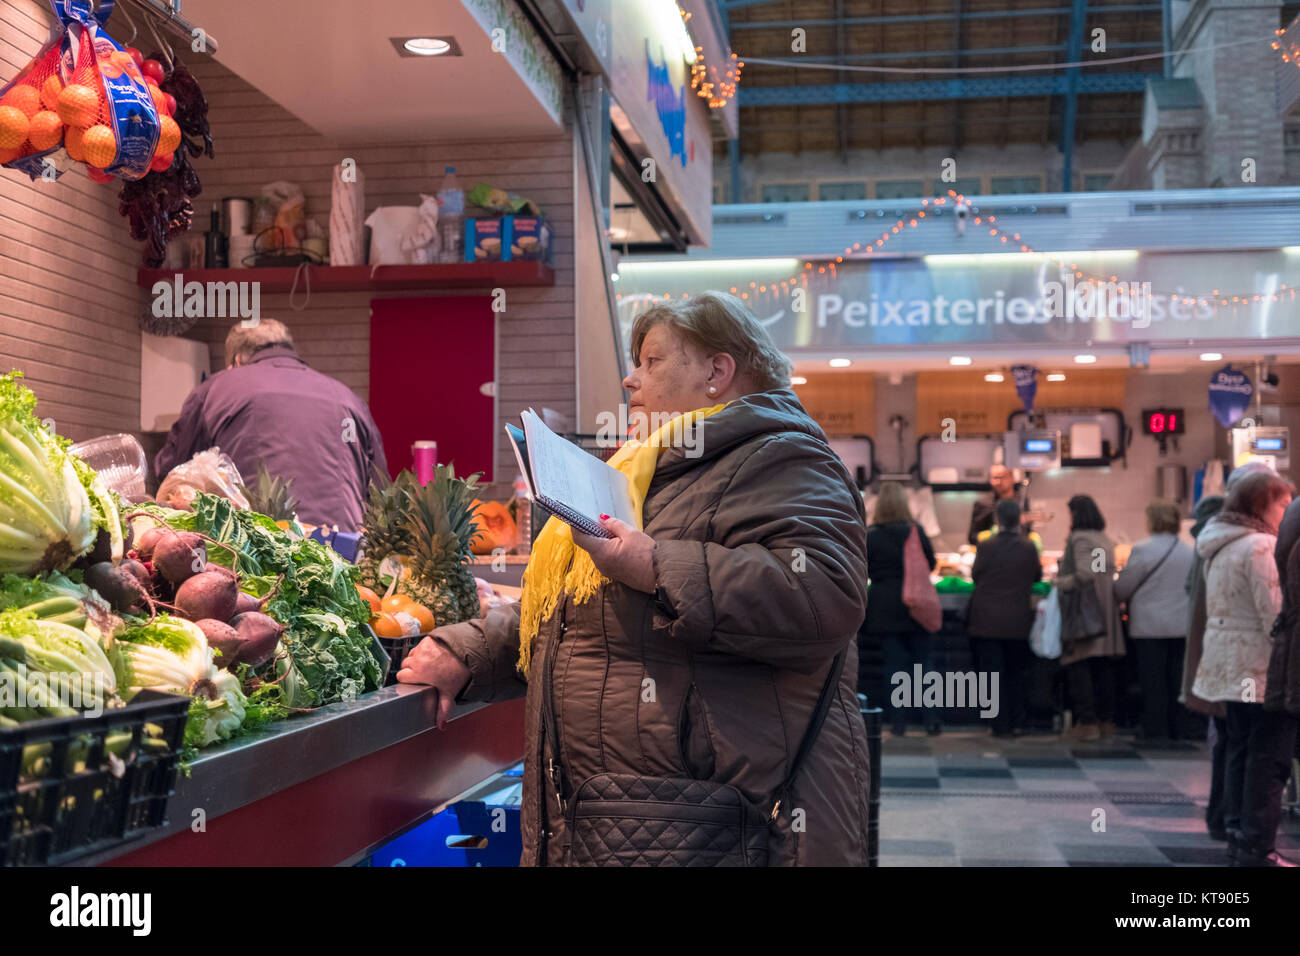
(932,17)
(960,89)
(1078,13)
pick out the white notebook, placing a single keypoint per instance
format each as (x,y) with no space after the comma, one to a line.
(568,482)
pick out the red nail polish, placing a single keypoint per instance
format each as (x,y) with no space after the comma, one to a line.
(604,517)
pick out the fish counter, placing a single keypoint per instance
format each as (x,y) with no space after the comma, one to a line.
(327,788)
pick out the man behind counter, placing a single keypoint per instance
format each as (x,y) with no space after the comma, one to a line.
(982,516)
(269,406)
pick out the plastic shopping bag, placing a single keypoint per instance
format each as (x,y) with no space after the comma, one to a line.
(1045,637)
(210,471)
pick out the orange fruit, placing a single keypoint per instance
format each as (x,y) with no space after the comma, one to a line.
(162,162)
(78,105)
(99,146)
(50,91)
(46,130)
(98,176)
(72,143)
(25,98)
(398,602)
(8,156)
(169,134)
(371,597)
(159,99)
(399,624)
(421,614)
(13,127)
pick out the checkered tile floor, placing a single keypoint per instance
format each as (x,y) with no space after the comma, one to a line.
(967,799)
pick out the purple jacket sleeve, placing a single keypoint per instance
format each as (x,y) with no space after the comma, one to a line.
(187,436)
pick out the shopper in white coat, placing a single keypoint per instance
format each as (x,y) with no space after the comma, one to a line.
(1242,599)
(1152,583)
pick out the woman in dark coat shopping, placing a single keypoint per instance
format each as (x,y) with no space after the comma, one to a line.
(695,648)
(889,623)
(1001,613)
(1091,674)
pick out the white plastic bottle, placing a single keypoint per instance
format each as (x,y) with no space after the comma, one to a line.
(451,218)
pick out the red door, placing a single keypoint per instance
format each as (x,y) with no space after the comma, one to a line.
(428,359)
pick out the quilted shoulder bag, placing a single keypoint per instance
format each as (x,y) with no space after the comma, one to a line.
(625,819)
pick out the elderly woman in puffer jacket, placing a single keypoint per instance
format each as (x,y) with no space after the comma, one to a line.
(698,645)
(1242,600)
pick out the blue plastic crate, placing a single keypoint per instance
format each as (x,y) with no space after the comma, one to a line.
(481,830)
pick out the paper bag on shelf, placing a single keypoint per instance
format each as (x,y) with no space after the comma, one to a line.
(347,216)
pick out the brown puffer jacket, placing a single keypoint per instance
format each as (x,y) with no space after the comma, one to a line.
(761,558)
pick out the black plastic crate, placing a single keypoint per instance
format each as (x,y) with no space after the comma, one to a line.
(56,812)
(396,649)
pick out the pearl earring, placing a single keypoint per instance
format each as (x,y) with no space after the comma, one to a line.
(713,390)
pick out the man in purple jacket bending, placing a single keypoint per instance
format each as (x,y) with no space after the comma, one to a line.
(269,406)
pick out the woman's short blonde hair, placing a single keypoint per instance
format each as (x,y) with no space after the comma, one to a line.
(1163,518)
(891,504)
(717,322)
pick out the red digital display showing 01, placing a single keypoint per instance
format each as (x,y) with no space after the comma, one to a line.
(1162,421)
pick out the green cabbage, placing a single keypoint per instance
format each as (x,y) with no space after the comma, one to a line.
(47,518)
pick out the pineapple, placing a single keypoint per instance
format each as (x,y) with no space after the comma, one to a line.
(431,528)
(272,496)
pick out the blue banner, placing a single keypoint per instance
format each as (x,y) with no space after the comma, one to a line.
(1230,392)
(1026,379)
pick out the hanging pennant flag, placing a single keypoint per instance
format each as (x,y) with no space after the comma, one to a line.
(1230,392)
(1026,379)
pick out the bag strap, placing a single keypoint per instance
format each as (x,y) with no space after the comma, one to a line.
(1147,577)
(813,731)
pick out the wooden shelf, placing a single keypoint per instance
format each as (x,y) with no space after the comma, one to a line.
(460,275)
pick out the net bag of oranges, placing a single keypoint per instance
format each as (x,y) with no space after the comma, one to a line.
(110,117)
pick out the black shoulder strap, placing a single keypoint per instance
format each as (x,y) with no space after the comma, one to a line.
(1147,577)
(814,728)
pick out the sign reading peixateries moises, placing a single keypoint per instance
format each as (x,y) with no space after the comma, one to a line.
(937,300)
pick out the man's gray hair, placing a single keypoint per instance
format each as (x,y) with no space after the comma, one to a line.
(717,322)
(242,341)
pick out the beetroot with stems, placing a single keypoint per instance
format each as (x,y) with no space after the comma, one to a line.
(179,555)
(222,637)
(139,570)
(260,634)
(246,602)
(118,586)
(148,541)
(208,594)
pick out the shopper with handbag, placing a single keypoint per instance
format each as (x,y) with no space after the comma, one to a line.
(1001,614)
(1153,585)
(905,642)
(1242,602)
(1092,638)
(701,668)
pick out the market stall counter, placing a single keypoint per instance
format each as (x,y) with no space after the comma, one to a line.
(326,788)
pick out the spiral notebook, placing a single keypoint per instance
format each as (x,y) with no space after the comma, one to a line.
(569,483)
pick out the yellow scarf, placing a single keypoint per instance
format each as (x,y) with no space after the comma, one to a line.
(557,565)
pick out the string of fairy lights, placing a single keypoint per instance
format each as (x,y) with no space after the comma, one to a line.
(711,83)
(778,288)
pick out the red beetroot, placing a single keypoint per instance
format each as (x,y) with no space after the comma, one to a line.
(179,555)
(209,594)
(260,634)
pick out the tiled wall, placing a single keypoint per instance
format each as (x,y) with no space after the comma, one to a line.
(69,303)
(258,142)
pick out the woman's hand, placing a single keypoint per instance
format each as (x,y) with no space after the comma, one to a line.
(431,663)
(627,558)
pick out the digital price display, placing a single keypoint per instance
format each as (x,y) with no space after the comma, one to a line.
(1269,444)
(1162,421)
(1038,445)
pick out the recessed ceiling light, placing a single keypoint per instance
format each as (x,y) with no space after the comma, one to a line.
(1056,376)
(959,360)
(1211,356)
(798,380)
(1085,359)
(994,377)
(840,363)
(427,46)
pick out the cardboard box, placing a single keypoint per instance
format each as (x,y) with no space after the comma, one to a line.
(508,239)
